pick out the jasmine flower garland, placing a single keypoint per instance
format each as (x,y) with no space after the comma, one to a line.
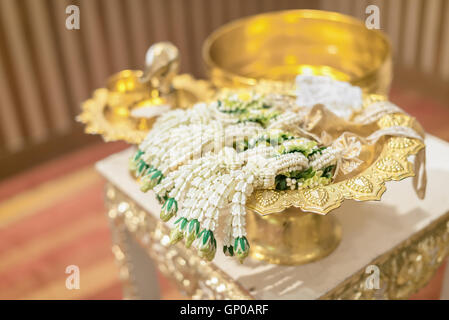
(208,160)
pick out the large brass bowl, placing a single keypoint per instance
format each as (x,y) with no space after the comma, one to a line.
(280,45)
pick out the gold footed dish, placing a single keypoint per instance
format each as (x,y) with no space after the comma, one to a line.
(277,46)
(292,237)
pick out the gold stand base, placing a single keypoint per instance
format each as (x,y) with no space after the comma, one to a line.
(292,237)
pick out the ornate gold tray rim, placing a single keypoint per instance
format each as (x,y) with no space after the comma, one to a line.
(392,164)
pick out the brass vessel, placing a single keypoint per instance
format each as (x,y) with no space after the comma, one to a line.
(279,45)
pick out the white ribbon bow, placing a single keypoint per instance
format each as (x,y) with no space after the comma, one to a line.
(350,147)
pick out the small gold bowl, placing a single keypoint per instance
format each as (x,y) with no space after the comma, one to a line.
(280,45)
(125,90)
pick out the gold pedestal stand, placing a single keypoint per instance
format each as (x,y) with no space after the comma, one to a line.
(292,237)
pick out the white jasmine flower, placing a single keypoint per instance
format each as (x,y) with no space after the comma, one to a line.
(340,97)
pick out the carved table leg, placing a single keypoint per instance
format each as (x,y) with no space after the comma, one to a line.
(143,270)
(136,269)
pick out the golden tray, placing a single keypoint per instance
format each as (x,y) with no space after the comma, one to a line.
(291,227)
(369,184)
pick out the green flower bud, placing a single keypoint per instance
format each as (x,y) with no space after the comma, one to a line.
(151,180)
(209,255)
(160,199)
(228,251)
(191,232)
(138,154)
(175,235)
(133,161)
(207,245)
(142,167)
(241,248)
(169,209)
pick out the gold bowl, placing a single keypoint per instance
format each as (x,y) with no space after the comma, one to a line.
(109,111)
(125,90)
(279,45)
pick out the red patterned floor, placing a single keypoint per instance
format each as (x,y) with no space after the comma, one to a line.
(52,216)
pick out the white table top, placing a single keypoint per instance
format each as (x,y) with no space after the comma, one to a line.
(369,229)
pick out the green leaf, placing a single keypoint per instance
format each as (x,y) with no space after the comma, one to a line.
(306,174)
(183,223)
(247,243)
(142,166)
(177,221)
(280,182)
(242,244)
(319,150)
(194,226)
(160,199)
(206,236)
(138,154)
(327,172)
(156,174)
(170,204)
(150,169)
(197,226)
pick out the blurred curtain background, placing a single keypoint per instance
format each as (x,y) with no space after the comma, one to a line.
(46,71)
